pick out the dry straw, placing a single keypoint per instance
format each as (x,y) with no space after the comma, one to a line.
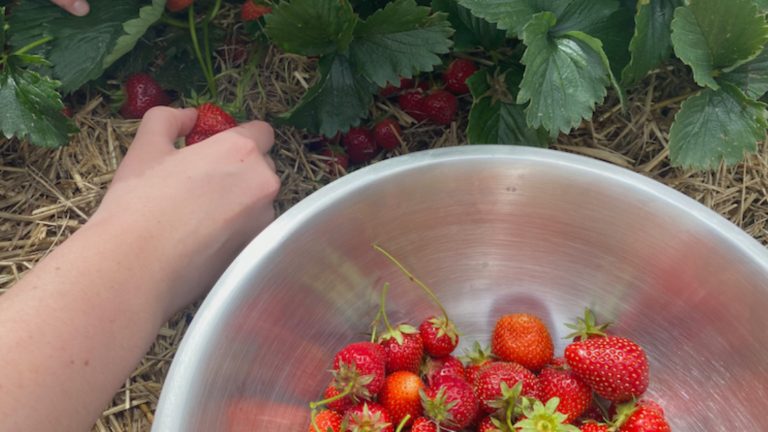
(46,195)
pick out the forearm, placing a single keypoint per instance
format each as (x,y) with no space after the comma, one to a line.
(75,327)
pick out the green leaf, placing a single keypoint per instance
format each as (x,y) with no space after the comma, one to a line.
(135,29)
(80,44)
(366,8)
(471,31)
(716,125)
(30,107)
(597,46)
(2,29)
(751,77)
(605,20)
(32,59)
(496,121)
(336,102)
(762,5)
(398,41)
(710,35)
(651,43)
(311,27)
(564,78)
(513,15)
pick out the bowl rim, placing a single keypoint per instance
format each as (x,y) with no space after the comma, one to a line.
(177,389)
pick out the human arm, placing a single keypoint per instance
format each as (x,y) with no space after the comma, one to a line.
(171,222)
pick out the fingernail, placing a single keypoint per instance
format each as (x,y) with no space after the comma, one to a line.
(81,8)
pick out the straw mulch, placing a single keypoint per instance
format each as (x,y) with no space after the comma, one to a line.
(46,195)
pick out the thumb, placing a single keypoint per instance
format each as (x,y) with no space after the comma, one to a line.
(158,131)
(75,7)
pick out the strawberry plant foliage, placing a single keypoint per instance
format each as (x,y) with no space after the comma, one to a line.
(751,77)
(471,31)
(311,27)
(712,36)
(513,15)
(651,43)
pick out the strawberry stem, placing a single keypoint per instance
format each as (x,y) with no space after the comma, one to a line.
(208,74)
(314,405)
(314,422)
(212,13)
(383,311)
(174,22)
(32,45)
(375,326)
(402,423)
(411,277)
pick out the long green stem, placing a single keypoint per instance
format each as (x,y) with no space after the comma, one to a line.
(212,13)
(206,72)
(32,45)
(402,423)
(313,405)
(411,277)
(207,48)
(383,312)
(375,326)
(172,21)
(509,417)
(314,422)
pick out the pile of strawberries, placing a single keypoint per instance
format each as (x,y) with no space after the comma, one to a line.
(417,100)
(407,378)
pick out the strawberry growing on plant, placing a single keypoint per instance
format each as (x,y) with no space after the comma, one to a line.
(402,344)
(401,398)
(439,335)
(524,339)
(337,161)
(141,92)
(387,134)
(360,144)
(558,380)
(252,11)
(211,120)
(412,103)
(178,5)
(456,76)
(440,106)
(67,111)
(392,89)
(450,402)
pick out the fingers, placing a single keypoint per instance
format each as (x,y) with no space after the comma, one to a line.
(75,7)
(270,163)
(258,131)
(162,125)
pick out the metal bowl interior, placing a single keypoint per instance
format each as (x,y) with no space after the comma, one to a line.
(492,230)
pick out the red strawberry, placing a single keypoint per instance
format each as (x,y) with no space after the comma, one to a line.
(252,11)
(592,413)
(361,364)
(423,424)
(178,5)
(440,106)
(476,359)
(586,328)
(142,93)
(325,420)
(67,111)
(594,427)
(523,339)
(616,368)
(369,417)
(448,365)
(631,417)
(558,380)
(450,402)
(412,103)
(337,162)
(456,76)
(499,375)
(211,120)
(391,89)
(648,404)
(402,344)
(360,144)
(387,134)
(339,405)
(400,397)
(439,335)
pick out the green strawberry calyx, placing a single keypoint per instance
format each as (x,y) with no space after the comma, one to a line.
(477,356)
(586,327)
(511,402)
(543,418)
(446,327)
(349,380)
(367,421)
(624,412)
(438,409)
(398,331)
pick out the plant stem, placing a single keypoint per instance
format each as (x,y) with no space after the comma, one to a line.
(314,405)
(410,276)
(383,311)
(207,48)
(212,13)
(172,21)
(206,72)
(509,416)
(402,423)
(314,422)
(32,45)
(375,326)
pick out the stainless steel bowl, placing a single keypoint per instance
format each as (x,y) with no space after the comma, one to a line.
(492,230)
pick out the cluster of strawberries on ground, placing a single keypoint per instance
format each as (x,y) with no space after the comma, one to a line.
(406,377)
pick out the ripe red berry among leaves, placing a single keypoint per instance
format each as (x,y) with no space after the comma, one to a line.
(211,120)
(337,159)
(386,134)
(412,103)
(325,420)
(360,145)
(391,89)
(441,106)
(142,93)
(178,5)
(67,111)
(456,76)
(252,11)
